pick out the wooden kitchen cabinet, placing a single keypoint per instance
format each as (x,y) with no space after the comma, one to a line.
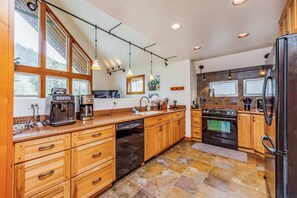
(245,136)
(258,132)
(61,190)
(196,125)
(288,20)
(150,141)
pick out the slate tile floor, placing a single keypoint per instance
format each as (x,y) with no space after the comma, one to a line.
(182,172)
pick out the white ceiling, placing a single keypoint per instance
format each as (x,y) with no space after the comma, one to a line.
(212,24)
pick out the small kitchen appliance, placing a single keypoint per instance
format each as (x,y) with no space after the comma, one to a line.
(60,108)
(86,103)
(259,104)
(247,103)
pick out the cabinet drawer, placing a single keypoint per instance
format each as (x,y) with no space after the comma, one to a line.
(90,155)
(94,180)
(32,149)
(156,119)
(38,175)
(196,121)
(178,115)
(197,132)
(59,191)
(196,113)
(92,135)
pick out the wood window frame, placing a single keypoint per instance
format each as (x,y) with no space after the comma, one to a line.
(42,70)
(128,82)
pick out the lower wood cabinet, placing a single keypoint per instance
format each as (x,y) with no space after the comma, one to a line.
(196,125)
(250,132)
(61,190)
(94,180)
(38,175)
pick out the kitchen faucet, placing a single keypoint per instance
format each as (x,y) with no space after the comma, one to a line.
(148,101)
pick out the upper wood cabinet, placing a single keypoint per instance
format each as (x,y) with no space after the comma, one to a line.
(288,20)
(245,136)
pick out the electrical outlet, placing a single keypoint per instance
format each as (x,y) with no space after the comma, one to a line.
(35,105)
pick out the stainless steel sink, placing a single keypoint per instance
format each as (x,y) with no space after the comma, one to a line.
(147,113)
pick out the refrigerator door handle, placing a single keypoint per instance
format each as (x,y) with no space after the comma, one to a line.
(267,118)
(271,150)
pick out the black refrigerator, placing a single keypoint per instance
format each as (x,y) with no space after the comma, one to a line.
(280,112)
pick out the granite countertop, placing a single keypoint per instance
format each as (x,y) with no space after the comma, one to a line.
(41,132)
(252,111)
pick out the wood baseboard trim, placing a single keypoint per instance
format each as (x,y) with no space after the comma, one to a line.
(188,138)
(196,139)
(246,150)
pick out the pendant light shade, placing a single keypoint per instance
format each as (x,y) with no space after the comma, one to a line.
(129,74)
(96,65)
(151,78)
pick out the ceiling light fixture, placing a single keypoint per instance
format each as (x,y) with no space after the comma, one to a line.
(243,35)
(262,72)
(204,79)
(175,26)
(129,74)
(96,65)
(32,6)
(238,2)
(151,78)
(196,47)
(230,76)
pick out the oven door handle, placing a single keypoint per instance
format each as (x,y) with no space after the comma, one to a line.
(219,118)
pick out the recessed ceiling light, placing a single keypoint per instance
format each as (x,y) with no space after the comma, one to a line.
(176,26)
(243,35)
(238,2)
(196,47)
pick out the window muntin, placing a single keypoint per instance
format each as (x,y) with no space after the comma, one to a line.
(253,87)
(26,85)
(56,46)
(26,34)
(80,63)
(224,88)
(55,82)
(80,87)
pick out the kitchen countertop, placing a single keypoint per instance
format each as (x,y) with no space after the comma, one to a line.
(252,111)
(41,132)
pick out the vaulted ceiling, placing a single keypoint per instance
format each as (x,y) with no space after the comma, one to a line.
(211,24)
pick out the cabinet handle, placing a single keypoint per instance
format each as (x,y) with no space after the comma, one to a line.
(160,128)
(94,182)
(254,119)
(96,155)
(43,148)
(160,119)
(45,175)
(96,135)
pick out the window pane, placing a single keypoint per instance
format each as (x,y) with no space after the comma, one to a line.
(253,87)
(55,82)
(137,85)
(80,63)
(26,34)
(224,88)
(56,46)
(80,87)
(26,85)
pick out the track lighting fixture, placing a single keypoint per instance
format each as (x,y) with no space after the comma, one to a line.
(32,6)
(96,65)
(115,70)
(151,78)
(201,67)
(129,74)
(166,64)
(204,79)
(230,76)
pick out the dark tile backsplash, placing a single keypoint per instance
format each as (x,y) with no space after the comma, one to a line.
(237,74)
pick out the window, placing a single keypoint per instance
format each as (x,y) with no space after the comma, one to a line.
(80,63)
(224,88)
(56,46)
(26,85)
(50,60)
(80,87)
(135,85)
(55,82)
(253,87)
(26,45)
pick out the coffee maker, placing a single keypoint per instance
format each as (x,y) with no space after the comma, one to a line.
(60,108)
(86,103)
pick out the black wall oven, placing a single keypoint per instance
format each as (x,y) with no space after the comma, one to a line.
(220,127)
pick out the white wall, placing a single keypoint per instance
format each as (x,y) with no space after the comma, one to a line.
(233,61)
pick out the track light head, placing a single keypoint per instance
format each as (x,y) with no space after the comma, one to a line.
(124,70)
(166,64)
(32,6)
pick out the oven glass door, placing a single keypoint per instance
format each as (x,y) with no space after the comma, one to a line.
(219,126)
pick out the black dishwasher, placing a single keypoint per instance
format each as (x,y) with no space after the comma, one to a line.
(129,146)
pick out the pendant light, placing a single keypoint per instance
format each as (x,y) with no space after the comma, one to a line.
(230,76)
(151,78)
(96,65)
(129,74)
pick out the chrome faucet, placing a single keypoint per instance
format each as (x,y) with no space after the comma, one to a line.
(148,101)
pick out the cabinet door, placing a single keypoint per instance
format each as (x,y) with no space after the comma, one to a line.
(293,19)
(150,141)
(258,131)
(245,136)
(175,130)
(182,130)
